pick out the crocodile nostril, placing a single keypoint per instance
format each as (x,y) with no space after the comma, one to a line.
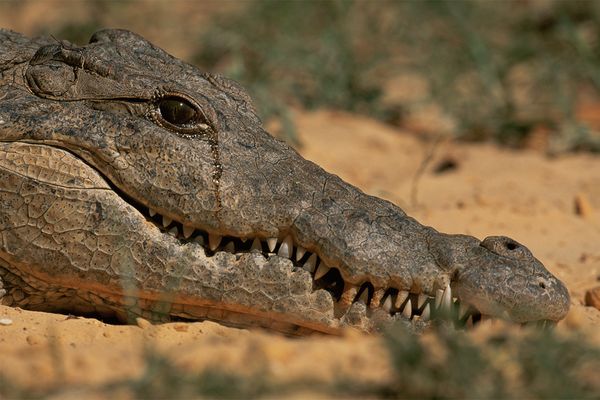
(511,245)
(542,285)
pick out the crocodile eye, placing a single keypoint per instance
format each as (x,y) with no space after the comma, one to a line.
(180,114)
(177,111)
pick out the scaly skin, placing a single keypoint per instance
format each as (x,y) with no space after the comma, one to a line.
(91,147)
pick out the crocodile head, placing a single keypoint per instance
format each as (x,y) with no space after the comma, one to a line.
(138,184)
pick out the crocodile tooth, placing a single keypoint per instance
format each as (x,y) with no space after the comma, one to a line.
(287,247)
(244,240)
(364,295)
(402,295)
(152,212)
(348,294)
(387,303)
(300,252)
(214,241)
(377,295)
(469,323)
(187,231)
(272,242)
(426,313)
(311,263)
(407,312)
(447,298)
(463,309)
(421,300)
(229,247)
(166,221)
(173,231)
(322,269)
(541,324)
(200,240)
(256,245)
(439,294)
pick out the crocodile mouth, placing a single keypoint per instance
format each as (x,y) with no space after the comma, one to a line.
(391,303)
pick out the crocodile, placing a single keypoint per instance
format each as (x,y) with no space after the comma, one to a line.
(134,185)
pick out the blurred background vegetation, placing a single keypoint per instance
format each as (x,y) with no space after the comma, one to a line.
(511,71)
(522,73)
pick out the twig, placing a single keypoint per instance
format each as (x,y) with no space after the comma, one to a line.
(422,167)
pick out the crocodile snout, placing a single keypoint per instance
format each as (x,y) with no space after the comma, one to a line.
(502,278)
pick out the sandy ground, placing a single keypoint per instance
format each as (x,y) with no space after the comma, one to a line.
(490,191)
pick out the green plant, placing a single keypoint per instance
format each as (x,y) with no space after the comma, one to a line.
(498,69)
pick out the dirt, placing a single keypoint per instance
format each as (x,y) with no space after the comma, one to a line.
(476,189)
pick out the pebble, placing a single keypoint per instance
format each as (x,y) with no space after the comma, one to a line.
(143,323)
(181,327)
(34,340)
(5,321)
(583,208)
(592,298)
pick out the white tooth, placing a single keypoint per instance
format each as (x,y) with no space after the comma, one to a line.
(152,212)
(426,313)
(463,308)
(407,312)
(541,324)
(421,300)
(272,242)
(300,252)
(229,247)
(322,269)
(364,296)
(311,263)
(166,221)
(214,241)
(244,240)
(402,295)
(447,299)
(287,247)
(187,231)
(173,231)
(387,303)
(439,294)
(256,245)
